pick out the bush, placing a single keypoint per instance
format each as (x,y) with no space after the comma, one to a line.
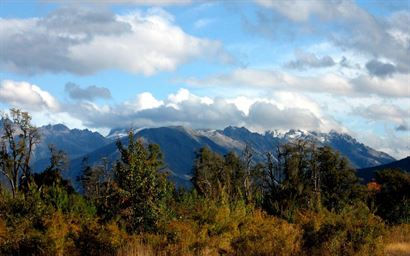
(355,231)
(43,222)
(203,225)
(264,235)
(102,240)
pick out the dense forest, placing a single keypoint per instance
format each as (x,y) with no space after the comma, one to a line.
(303,200)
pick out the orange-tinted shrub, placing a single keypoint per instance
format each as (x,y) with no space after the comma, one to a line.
(265,235)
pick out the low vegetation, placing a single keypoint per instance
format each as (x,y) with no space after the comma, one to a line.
(303,200)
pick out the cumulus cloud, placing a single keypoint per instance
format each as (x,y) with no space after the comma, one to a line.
(384,112)
(72,40)
(143,101)
(383,37)
(271,79)
(334,84)
(306,60)
(184,95)
(185,108)
(395,87)
(263,115)
(89,93)
(26,95)
(174,111)
(392,143)
(301,11)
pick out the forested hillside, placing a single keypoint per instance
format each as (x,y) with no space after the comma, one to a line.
(368,173)
(304,199)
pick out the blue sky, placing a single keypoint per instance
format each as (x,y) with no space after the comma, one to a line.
(265,64)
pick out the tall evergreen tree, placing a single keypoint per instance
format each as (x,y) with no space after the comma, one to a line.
(146,189)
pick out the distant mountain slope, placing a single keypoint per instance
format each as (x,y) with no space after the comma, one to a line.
(74,142)
(359,154)
(179,145)
(368,173)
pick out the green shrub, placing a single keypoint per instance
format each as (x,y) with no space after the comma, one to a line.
(265,235)
(355,231)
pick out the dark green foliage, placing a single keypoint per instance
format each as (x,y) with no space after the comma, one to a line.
(339,185)
(51,176)
(145,189)
(289,181)
(393,199)
(367,174)
(208,174)
(306,177)
(354,231)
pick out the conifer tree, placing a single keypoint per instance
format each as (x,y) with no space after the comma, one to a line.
(147,190)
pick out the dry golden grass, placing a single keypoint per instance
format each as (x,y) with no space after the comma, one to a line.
(135,248)
(3,232)
(398,241)
(398,249)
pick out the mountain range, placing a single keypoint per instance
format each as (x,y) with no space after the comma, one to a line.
(179,145)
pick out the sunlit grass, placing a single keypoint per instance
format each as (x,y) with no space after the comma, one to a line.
(398,241)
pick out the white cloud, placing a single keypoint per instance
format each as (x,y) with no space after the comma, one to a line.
(181,108)
(271,79)
(377,37)
(72,40)
(243,103)
(396,86)
(184,95)
(143,101)
(28,96)
(330,82)
(185,108)
(267,116)
(384,112)
(301,11)
(391,143)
